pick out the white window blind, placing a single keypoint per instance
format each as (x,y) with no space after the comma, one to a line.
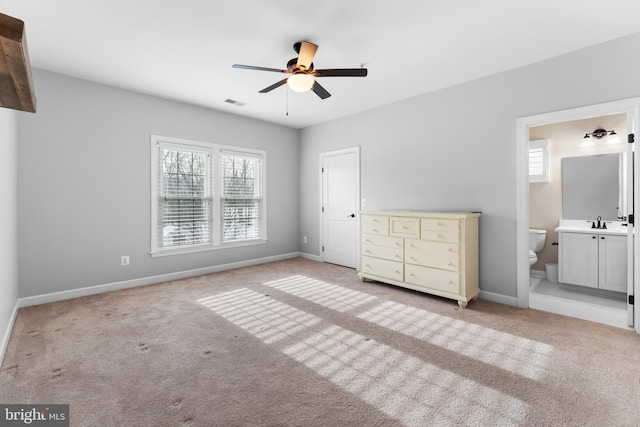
(184,197)
(539,161)
(241,196)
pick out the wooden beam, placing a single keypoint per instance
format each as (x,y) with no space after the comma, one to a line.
(16,83)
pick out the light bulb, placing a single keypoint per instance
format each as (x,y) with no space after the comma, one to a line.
(587,142)
(300,82)
(613,139)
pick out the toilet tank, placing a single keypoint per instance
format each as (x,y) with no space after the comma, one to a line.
(537,239)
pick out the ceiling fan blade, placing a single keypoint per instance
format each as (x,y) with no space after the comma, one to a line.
(340,72)
(273,86)
(251,67)
(305,57)
(320,91)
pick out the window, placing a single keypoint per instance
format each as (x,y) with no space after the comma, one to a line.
(539,161)
(241,196)
(205,196)
(184,196)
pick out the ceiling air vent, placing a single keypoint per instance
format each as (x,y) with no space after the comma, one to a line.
(234,102)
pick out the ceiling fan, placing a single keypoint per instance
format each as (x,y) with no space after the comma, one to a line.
(303,73)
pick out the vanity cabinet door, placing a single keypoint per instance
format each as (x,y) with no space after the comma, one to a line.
(613,263)
(579,259)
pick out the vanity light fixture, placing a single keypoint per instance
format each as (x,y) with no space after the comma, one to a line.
(598,134)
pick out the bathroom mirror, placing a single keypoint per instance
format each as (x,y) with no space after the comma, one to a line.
(594,186)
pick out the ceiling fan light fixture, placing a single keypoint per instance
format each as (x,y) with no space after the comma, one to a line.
(300,82)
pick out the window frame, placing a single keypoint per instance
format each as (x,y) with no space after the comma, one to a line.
(215,185)
(541,144)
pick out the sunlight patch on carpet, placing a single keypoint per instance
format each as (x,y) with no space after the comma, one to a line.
(402,386)
(512,353)
(326,294)
(264,317)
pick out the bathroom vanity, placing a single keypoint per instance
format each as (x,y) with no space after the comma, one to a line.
(432,252)
(592,257)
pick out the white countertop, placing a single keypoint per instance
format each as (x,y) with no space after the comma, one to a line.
(584,226)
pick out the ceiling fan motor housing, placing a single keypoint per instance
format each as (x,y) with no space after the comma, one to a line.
(292,66)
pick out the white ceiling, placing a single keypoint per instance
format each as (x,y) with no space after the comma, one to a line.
(183,49)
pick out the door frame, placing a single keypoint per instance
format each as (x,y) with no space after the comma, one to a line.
(629,106)
(356,151)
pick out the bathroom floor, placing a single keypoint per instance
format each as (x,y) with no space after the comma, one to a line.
(568,301)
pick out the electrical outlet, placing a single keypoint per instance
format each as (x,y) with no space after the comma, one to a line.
(124,260)
(304,239)
(363,203)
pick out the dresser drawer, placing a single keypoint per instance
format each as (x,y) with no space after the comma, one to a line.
(441,236)
(375,219)
(405,227)
(428,260)
(382,252)
(383,268)
(378,229)
(434,248)
(432,278)
(384,241)
(439,224)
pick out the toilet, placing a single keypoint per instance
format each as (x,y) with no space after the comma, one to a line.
(536,244)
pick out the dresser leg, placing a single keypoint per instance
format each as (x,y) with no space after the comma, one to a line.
(463,304)
(362,279)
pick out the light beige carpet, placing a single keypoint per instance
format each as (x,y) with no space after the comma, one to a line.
(299,343)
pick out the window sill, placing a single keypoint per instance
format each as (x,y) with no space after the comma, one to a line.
(203,248)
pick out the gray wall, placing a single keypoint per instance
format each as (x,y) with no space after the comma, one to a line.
(84,184)
(8,221)
(455,149)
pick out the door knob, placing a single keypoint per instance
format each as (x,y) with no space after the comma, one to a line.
(351,216)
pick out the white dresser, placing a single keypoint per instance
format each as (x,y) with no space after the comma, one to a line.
(432,252)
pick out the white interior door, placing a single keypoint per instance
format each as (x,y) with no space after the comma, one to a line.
(340,195)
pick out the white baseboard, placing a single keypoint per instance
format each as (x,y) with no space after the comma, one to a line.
(310,257)
(538,273)
(7,334)
(499,298)
(99,289)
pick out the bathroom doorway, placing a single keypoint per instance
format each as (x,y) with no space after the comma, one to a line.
(560,298)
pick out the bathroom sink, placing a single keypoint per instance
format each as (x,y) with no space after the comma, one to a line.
(588,229)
